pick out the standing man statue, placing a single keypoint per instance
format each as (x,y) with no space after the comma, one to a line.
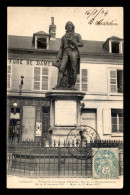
(68,56)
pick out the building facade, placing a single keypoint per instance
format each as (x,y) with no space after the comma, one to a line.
(31,73)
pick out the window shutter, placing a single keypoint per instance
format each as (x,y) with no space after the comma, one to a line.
(36,78)
(84,74)
(77,84)
(107,121)
(8,81)
(113,81)
(8,76)
(88,117)
(44,78)
(9,69)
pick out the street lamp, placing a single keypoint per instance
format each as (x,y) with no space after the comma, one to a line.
(15,106)
(20,86)
(22,77)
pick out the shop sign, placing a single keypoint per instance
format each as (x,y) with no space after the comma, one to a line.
(14,116)
(29,62)
(38,129)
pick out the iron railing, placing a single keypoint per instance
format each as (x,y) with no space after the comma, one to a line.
(31,159)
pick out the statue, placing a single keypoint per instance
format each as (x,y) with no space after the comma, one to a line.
(68,58)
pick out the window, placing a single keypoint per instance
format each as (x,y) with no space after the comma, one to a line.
(41,43)
(82,79)
(15,113)
(115,47)
(117,120)
(17,110)
(120,81)
(116,81)
(9,76)
(14,131)
(45,109)
(40,78)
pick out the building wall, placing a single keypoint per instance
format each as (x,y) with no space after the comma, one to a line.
(98,95)
(28,72)
(30,114)
(103,120)
(97,77)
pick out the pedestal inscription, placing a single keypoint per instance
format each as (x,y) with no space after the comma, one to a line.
(65,112)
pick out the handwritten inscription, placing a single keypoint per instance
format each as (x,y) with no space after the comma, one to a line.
(99,17)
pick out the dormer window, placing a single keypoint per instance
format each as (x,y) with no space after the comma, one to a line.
(115,47)
(40,40)
(42,43)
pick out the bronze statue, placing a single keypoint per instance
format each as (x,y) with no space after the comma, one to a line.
(68,56)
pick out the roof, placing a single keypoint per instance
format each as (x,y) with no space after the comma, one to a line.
(41,33)
(88,46)
(19,42)
(25,42)
(114,37)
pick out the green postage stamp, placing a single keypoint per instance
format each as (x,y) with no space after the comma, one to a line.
(105,163)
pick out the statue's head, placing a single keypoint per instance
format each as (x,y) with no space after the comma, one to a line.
(69,26)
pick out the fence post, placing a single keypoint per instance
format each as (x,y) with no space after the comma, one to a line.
(59,161)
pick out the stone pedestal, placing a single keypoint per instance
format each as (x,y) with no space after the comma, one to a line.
(65,112)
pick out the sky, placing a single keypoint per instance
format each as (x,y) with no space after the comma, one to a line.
(24,21)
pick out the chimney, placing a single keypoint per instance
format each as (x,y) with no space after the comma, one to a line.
(52,20)
(52,29)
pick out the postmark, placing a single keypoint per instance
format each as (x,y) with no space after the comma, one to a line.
(83,139)
(105,163)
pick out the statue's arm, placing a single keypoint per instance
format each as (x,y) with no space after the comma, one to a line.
(79,41)
(60,52)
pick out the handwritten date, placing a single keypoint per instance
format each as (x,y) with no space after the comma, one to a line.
(97,16)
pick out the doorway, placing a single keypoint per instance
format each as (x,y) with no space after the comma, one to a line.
(28,123)
(89,118)
(14,130)
(45,121)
